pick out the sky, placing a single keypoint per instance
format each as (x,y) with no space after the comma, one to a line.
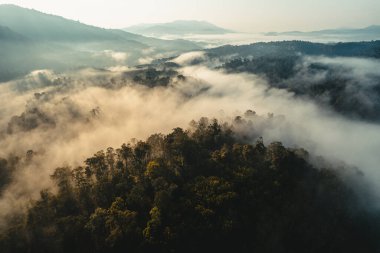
(239,15)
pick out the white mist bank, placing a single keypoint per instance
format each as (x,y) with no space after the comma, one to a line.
(135,111)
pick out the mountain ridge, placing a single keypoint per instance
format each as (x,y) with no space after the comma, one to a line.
(178,27)
(30,40)
(48,27)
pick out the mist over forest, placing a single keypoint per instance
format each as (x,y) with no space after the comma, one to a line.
(112,141)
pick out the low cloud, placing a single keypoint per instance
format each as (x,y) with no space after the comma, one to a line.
(66,118)
(189,58)
(119,57)
(363,69)
(145,60)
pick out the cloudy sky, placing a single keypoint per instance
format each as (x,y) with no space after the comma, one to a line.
(242,15)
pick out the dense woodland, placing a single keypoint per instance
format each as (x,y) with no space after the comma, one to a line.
(286,48)
(284,65)
(355,98)
(289,65)
(201,190)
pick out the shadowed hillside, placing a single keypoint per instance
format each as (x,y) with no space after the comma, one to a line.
(196,191)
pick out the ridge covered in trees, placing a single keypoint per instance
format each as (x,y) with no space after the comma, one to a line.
(201,190)
(329,74)
(369,49)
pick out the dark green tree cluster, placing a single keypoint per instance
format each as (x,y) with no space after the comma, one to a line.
(333,86)
(370,49)
(195,191)
(7,168)
(153,77)
(274,68)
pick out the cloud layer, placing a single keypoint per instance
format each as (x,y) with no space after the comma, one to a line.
(66,118)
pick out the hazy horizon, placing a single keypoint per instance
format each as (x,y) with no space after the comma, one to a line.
(239,15)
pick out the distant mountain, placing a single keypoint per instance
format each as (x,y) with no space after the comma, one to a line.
(370,30)
(180,27)
(39,26)
(50,41)
(45,27)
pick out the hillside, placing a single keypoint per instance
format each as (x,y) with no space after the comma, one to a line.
(283,48)
(54,42)
(7,34)
(198,191)
(45,27)
(341,76)
(39,26)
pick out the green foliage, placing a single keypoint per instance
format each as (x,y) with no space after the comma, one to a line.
(195,191)
(7,167)
(283,64)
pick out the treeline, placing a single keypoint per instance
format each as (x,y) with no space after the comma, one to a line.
(274,68)
(369,49)
(356,96)
(195,191)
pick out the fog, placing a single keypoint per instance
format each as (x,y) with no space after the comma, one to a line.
(361,69)
(65,118)
(238,38)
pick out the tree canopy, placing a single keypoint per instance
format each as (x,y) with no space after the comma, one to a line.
(203,190)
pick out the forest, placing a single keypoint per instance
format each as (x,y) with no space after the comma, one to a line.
(324,73)
(285,48)
(332,86)
(206,189)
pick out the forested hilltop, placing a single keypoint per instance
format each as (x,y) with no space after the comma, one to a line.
(286,48)
(341,76)
(200,190)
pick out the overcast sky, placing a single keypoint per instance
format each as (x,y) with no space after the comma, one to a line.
(242,15)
